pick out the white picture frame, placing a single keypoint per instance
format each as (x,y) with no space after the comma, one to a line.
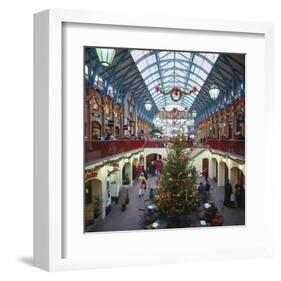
(49,122)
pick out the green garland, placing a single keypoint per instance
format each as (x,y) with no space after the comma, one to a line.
(110,162)
(240,161)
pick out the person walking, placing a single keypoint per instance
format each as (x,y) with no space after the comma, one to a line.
(152,168)
(227,194)
(201,188)
(207,186)
(124,197)
(142,184)
(242,196)
(202,193)
(158,166)
(238,195)
(126,180)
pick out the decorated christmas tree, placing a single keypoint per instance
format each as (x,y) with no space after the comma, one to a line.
(178,194)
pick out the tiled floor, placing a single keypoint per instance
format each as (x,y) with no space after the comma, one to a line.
(130,220)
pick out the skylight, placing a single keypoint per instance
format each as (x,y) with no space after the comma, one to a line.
(168,69)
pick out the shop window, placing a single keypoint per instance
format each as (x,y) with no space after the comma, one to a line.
(88,193)
(117,131)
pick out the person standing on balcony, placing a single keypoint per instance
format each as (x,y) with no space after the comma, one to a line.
(107,135)
(102,137)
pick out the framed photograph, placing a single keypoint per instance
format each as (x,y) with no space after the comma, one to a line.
(146,140)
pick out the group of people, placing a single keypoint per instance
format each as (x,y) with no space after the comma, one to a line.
(232,197)
(105,136)
(210,213)
(154,168)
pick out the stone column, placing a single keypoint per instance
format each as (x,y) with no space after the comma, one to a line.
(221,173)
(211,168)
(234,125)
(233,176)
(102,120)
(130,172)
(89,126)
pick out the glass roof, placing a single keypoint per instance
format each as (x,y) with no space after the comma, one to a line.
(169,68)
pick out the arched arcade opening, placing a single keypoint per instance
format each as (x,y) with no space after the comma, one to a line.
(214,169)
(223,174)
(237,177)
(93,201)
(151,163)
(205,167)
(126,173)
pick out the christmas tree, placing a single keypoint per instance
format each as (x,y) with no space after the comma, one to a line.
(178,194)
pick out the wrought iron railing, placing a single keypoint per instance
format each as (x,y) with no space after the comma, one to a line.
(231,146)
(97,150)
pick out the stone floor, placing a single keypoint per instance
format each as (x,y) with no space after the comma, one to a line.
(231,216)
(130,219)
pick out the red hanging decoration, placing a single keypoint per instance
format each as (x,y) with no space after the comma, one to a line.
(177,90)
(158,88)
(107,99)
(194,89)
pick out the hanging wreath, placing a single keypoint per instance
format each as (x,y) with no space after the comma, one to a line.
(176,93)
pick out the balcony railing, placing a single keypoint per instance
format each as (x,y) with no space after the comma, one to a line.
(231,146)
(164,144)
(155,144)
(97,150)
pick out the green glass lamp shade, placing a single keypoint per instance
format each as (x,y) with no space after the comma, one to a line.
(105,56)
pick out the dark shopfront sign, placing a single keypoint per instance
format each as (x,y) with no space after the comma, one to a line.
(90,174)
(110,123)
(240,118)
(97,115)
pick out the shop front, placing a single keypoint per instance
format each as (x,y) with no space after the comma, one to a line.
(92,201)
(113,188)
